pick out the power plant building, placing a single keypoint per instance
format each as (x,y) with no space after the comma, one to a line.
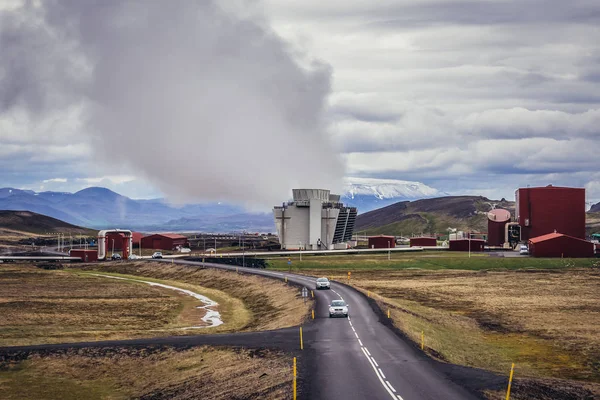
(314,220)
(544,210)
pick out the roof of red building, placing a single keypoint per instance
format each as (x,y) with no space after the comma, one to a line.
(550,236)
(382,236)
(169,235)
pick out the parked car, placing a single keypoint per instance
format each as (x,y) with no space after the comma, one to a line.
(134,257)
(323,283)
(523,250)
(157,254)
(115,256)
(338,308)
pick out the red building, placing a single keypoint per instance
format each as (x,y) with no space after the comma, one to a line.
(136,238)
(544,210)
(423,242)
(164,241)
(560,245)
(497,220)
(114,241)
(382,242)
(85,255)
(465,244)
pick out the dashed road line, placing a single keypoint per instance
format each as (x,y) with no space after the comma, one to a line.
(359,342)
(380,371)
(379,376)
(391,387)
(368,352)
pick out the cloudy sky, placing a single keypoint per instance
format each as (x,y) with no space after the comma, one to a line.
(193,101)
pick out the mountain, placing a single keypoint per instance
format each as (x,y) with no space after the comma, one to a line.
(33,223)
(369,194)
(595,208)
(434,215)
(102,208)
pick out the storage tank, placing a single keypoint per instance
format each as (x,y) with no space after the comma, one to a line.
(497,220)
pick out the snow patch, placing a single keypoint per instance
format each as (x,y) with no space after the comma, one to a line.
(388,188)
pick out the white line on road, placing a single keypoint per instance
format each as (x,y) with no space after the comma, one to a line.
(375,362)
(380,371)
(379,376)
(356,334)
(359,342)
(391,387)
(367,351)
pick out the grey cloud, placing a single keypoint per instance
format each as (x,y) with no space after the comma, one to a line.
(203,103)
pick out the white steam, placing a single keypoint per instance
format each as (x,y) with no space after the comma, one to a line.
(204,103)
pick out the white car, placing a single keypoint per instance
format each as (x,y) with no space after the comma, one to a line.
(323,283)
(134,257)
(338,308)
(523,250)
(157,254)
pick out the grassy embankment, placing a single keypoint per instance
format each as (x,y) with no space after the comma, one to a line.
(486,312)
(124,373)
(41,306)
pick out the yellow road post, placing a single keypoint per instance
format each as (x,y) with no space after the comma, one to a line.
(294,378)
(313,314)
(312,294)
(422,340)
(512,370)
(388,313)
(301,342)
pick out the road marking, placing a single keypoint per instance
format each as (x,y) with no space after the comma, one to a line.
(368,351)
(379,377)
(353,330)
(375,362)
(356,334)
(359,342)
(391,387)
(380,371)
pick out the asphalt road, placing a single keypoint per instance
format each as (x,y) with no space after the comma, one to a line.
(361,358)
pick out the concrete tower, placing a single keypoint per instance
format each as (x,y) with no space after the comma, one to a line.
(314,220)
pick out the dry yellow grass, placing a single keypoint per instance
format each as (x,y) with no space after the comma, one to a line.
(120,373)
(547,322)
(272,304)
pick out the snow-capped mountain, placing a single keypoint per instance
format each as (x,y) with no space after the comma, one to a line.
(368,194)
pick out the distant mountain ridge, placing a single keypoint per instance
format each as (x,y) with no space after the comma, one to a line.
(433,215)
(30,222)
(101,208)
(369,194)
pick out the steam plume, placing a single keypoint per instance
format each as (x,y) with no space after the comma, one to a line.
(205,103)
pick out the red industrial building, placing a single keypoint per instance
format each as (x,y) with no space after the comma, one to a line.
(466,244)
(560,245)
(118,240)
(497,220)
(382,242)
(543,210)
(136,238)
(85,254)
(423,242)
(164,241)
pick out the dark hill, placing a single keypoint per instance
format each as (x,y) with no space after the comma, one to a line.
(431,215)
(30,222)
(595,208)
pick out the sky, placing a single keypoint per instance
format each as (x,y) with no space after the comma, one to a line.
(242,101)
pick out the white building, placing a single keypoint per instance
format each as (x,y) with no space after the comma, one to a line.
(314,220)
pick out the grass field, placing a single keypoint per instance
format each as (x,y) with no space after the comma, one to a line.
(430,260)
(59,306)
(271,304)
(124,373)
